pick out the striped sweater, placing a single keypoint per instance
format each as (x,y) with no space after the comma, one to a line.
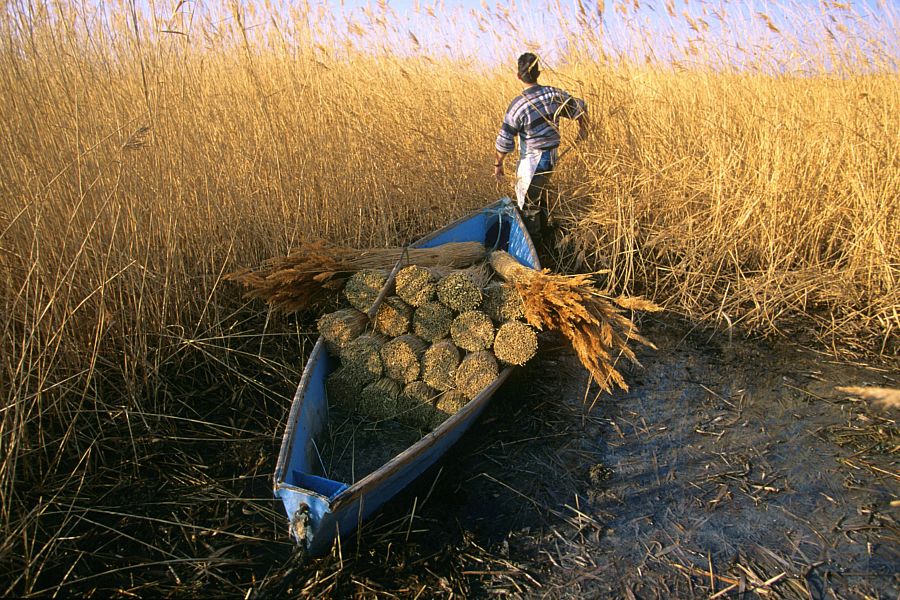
(534,116)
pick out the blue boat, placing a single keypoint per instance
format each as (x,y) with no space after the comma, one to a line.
(319,509)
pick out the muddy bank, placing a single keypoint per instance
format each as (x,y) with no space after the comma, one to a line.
(728,468)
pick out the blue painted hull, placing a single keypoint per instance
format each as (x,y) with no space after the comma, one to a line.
(319,509)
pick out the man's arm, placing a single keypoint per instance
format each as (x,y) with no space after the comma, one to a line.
(584,125)
(505,143)
(498,164)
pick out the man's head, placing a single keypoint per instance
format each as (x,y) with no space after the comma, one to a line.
(528,68)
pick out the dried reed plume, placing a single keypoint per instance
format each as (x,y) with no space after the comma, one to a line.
(309,276)
(886,397)
(591,321)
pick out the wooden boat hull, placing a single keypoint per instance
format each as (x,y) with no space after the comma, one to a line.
(318,509)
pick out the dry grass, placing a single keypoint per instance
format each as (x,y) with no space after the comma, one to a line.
(145,159)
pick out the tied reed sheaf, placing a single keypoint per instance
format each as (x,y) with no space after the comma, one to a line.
(312,274)
(590,320)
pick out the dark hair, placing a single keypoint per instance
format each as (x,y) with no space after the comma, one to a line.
(528,68)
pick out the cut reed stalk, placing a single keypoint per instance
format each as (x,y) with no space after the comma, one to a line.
(416,404)
(448,404)
(378,400)
(394,317)
(363,288)
(461,290)
(417,285)
(343,390)
(502,302)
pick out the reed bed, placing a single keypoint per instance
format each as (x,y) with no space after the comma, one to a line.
(146,158)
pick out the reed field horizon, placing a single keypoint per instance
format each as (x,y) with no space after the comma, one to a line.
(143,161)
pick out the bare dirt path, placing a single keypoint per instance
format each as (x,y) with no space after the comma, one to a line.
(730,469)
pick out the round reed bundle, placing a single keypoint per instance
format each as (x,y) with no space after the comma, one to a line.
(341,326)
(394,317)
(475,372)
(461,290)
(416,404)
(439,365)
(502,302)
(431,321)
(361,358)
(379,399)
(342,390)
(416,285)
(448,404)
(402,358)
(472,331)
(310,275)
(363,287)
(516,343)
(591,321)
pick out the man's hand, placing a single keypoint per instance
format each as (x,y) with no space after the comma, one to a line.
(583,127)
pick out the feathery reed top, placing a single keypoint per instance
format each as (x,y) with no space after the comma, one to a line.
(534,117)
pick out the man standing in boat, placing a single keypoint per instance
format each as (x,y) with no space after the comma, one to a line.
(533,117)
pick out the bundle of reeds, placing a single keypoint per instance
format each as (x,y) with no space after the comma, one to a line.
(431,321)
(591,321)
(416,404)
(516,343)
(472,330)
(502,302)
(309,276)
(402,358)
(393,317)
(461,290)
(418,284)
(340,327)
(361,358)
(439,364)
(342,389)
(448,404)
(475,372)
(379,399)
(363,288)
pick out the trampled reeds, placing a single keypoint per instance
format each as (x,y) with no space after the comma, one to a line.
(571,305)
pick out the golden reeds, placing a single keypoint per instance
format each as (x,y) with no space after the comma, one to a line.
(592,322)
(393,317)
(439,364)
(475,372)
(363,287)
(472,330)
(341,326)
(416,285)
(448,404)
(515,343)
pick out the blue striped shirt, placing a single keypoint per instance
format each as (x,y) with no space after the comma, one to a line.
(534,116)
